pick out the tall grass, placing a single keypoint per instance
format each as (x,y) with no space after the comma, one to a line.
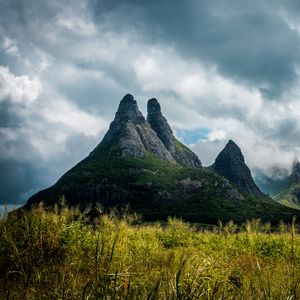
(60,255)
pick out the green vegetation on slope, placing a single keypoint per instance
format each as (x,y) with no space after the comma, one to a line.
(58,255)
(158,189)
(180,146)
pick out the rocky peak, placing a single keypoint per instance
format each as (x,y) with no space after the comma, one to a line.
(128,110)
(230,163)
(233,151)
(153,107)
(160,125)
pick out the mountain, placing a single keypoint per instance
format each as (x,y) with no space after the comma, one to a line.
(230,163)
(140,164)
(290,196)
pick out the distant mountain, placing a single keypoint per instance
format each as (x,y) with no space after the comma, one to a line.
(294,178)
(290,196)
(230,163)
(140,164)
(273,182)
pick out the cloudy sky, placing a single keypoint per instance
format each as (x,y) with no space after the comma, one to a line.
(220,69)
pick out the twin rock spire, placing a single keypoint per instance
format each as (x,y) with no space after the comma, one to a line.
(130,134)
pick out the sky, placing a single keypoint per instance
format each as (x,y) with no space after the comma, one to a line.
(220,69)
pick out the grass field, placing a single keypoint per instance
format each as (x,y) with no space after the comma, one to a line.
(59,255)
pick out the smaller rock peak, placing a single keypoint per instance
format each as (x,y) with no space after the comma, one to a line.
(233,150)
(128,108)
(128,97)
(230,163)
(126,102)
(232,143)
(153,106)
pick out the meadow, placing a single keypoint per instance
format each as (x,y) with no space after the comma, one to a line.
(60,254)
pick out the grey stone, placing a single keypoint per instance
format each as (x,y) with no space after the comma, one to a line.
(189,186)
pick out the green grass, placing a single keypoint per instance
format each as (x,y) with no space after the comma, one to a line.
(180,146)
(60,255)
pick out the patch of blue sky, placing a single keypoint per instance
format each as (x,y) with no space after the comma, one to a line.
(192,136)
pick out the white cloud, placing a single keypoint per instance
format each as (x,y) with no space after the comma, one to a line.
(73,119)
(47,129)
(77,25)
(18,89)
(217,135)
(195,85)
(10,47)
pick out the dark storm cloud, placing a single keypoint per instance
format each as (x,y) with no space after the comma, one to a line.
(246,40)
(20,178)
(18,181)
(8,118)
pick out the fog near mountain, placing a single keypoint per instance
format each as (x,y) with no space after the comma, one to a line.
(221,70)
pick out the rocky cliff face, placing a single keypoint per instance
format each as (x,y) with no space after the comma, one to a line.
(159,124)
(230,163)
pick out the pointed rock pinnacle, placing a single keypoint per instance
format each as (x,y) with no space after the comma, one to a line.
(160,124)
(128,109)
(230,163)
